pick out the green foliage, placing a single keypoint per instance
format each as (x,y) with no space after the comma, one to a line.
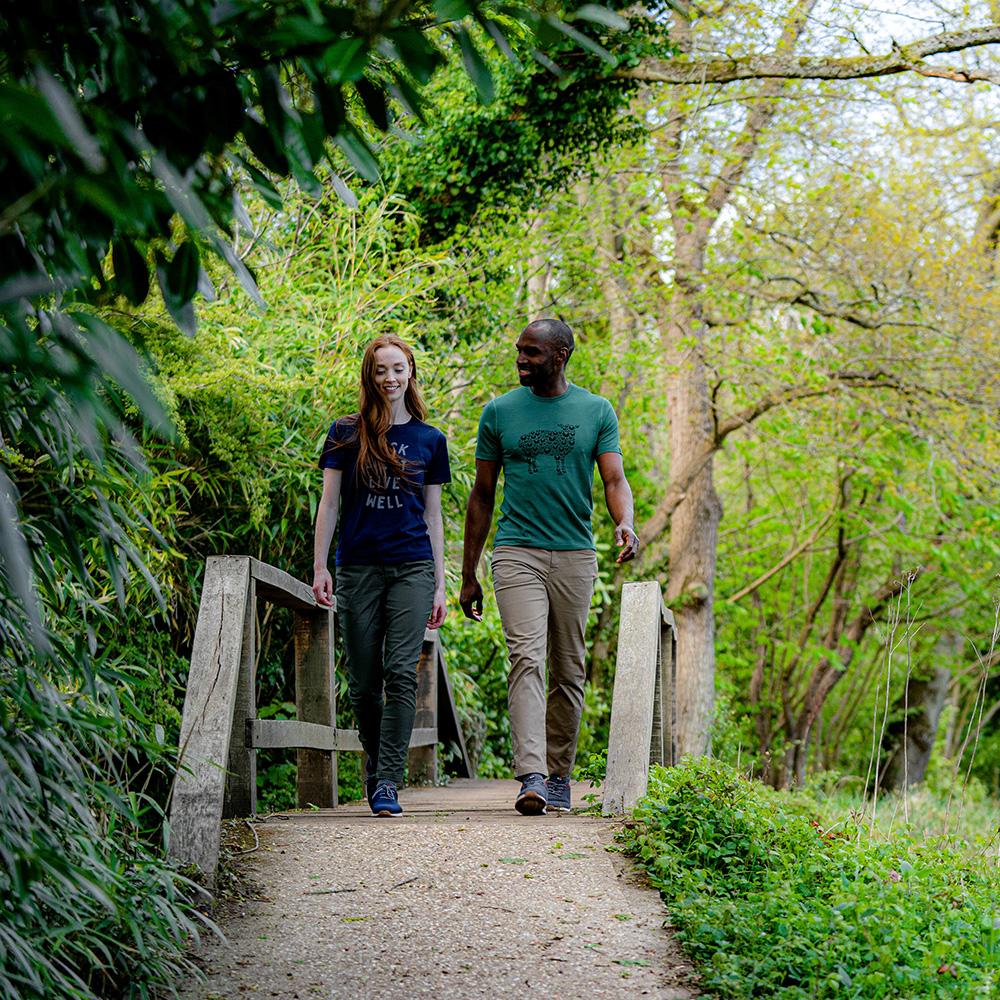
(90,908)
(595,770)
(542,131)
(125,128)
(772,900)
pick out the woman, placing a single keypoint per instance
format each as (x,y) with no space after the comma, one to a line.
(385,468)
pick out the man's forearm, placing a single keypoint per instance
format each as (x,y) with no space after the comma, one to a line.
(618,496)
(478,517)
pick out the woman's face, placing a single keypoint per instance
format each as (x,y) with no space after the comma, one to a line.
(392,372)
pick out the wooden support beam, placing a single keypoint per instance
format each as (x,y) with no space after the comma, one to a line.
(241,781)
(289,734)
(315,701)
(636,673)
(662,745)
(206,725)
(423,757)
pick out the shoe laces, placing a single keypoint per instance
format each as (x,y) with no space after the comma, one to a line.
(386,789)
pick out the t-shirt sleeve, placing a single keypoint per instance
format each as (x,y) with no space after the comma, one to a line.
(488,447)
(607,434)
(333,457)
(438,469)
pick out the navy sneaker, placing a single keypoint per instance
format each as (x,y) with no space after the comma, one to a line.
(385,800)
(559,795)
(532,798)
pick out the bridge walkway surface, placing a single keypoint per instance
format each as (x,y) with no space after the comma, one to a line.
(460,897)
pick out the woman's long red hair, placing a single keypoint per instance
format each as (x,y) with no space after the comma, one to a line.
(377,459)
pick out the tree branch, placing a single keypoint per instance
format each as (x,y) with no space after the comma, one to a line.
(836,382)
(791,555)
(904,59)
(681,482)
(759,116)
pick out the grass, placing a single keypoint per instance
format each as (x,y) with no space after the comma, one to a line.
(794,895)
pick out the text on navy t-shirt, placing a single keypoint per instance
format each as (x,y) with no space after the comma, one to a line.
(386,526)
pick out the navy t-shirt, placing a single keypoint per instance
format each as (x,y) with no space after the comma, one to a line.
(386,527)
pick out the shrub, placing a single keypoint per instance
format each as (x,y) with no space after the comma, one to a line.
(770,903)
(88,907)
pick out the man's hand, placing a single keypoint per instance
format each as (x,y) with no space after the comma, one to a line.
(471,599)
(439,609)
(323,588)
(628,541)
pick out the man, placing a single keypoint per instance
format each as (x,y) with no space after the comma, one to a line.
(546,437)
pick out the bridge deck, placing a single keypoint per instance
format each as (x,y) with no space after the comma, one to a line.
(460,897)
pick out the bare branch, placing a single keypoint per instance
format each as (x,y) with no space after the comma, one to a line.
(781,66)
(790,394)
(790,556)
(759,116)
(677,489)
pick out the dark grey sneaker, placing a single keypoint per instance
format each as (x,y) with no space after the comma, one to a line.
(532,798)
(559,794)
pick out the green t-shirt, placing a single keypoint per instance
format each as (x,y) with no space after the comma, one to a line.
(547,446)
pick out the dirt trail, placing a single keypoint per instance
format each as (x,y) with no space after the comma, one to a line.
(460,897)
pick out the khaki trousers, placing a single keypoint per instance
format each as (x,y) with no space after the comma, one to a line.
(544,597)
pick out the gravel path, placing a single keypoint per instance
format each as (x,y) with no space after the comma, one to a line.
(460,897)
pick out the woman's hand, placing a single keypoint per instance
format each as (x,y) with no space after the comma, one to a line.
(323,587)
(439,609)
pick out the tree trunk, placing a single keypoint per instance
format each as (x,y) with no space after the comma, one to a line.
(694,528)
(539,272)
(909,739)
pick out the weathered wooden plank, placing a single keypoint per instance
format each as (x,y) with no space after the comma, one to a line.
(292,734)
(241,781)
(422,756)
(316,773)
(632,700)
(660,733)
(668,688)
(206,724)
(281,588)
(449,725)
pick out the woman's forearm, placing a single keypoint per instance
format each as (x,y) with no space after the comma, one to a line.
(326,523)
(435,529)
(326,518)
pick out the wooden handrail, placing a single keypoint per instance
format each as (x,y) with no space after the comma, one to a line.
(220,731)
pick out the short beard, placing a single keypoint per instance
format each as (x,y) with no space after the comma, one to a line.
(539,375)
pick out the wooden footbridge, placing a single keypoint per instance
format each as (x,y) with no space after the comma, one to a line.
(221,733)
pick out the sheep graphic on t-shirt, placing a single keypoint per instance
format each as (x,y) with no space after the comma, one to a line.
(558,443)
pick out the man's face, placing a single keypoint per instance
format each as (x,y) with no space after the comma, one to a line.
(537,359)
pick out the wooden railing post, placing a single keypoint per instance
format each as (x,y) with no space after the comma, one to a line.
(241,781)
(315,701)
(423,759)
(206,726)
(642,707)
(662,746)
